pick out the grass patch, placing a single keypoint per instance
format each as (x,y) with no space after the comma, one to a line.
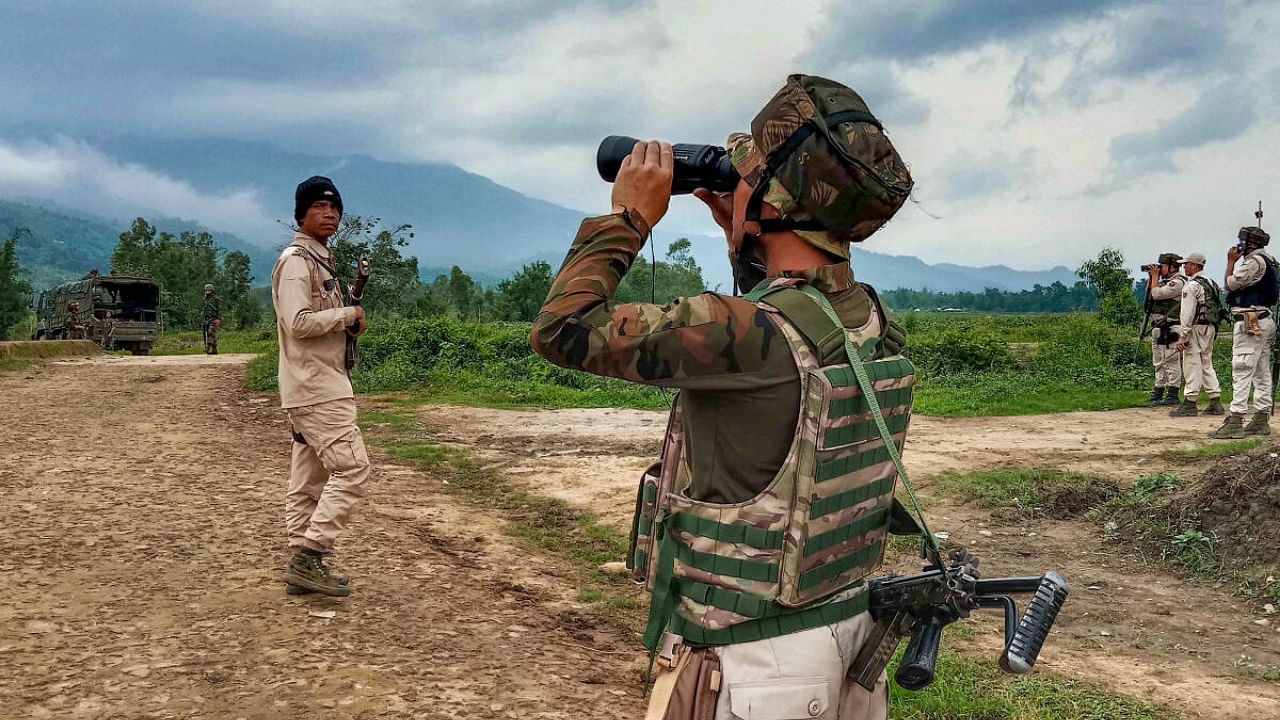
(968,689)
(13,364)
(1215,449)
(191,342)
(1049,493)
(1143,518)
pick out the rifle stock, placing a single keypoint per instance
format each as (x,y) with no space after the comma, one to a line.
(363,271)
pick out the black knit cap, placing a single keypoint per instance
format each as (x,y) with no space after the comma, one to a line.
(313,190)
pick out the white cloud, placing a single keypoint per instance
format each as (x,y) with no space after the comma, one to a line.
(76,175)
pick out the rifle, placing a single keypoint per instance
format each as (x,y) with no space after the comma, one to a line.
(356,295)
(922,605)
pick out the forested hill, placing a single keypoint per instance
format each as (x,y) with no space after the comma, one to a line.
(64,245)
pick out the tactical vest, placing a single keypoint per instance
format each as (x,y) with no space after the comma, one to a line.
(1168,309)
(1209,312)
(746,571)
(1264,293)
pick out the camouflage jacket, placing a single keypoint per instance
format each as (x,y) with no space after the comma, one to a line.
(211,310)
(741,386)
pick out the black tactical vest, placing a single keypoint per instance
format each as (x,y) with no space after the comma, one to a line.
(1263,293)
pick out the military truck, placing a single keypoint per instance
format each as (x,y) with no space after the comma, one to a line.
(133,303)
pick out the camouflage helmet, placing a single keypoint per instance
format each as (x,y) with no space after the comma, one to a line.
(208,287)
(1170,259)
(1255,236)
(818,156)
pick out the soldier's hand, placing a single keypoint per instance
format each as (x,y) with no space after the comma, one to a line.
(721,206)
(360,323)
(217,324)
(1180,345)
(643,184)
(1233,254)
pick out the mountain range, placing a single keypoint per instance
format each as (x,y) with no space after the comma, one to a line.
(458,218)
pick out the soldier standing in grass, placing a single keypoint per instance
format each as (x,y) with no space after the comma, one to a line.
(1201,311)
(330,464)
(1252,292)
(1164,284)
(730,629)
(212,320)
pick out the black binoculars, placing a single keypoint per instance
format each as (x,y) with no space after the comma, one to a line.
(696,166)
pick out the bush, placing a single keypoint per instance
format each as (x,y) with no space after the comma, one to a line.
(959,350)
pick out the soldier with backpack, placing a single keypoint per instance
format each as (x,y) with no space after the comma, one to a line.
(1253,288)
(770,415)
(1201,314)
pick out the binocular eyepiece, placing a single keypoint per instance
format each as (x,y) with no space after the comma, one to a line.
(705,166)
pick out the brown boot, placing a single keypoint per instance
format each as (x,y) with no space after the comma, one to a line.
(1259,425)
(307,571)
(1186,409)
(1232,428)
(1215,407)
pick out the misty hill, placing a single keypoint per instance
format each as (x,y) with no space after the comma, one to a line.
(465,219)
(64,245)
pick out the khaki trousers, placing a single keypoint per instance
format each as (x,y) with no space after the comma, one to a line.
(328,474)
(1167,361)
(801,675)
(1197,364)
(1251,367)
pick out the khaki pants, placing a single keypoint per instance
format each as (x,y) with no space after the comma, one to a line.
(1197,364)
(328,473)
(1251,367)
(1167,361)
(801,675)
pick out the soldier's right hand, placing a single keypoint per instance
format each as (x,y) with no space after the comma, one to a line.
(359,323)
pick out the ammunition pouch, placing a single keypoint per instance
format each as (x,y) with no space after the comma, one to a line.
(1165,336)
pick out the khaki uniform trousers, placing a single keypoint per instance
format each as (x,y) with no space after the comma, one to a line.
(1167,361)
(1251,367)
(800,675)
(328,474)
(1197,364)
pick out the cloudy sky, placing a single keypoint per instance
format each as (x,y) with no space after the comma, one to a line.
(1037,132)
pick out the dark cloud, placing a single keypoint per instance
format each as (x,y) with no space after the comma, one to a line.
(1220,114)
(905,31)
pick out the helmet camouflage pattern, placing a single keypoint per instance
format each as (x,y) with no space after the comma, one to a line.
(1254,236)
(831,171)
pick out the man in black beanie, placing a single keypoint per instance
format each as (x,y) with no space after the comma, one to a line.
(330,464)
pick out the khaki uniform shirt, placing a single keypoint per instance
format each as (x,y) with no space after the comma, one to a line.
(1192,299)
(740,388)
(1249,271)
(311,322)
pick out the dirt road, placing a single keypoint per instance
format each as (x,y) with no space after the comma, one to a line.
(142,542)
(142,545)
(1136,629)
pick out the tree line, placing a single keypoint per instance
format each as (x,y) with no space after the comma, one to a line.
(1055,298)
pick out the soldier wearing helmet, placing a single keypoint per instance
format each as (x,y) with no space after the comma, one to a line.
(1164,291)
(73,327)
(767,396)
(211,320)
(1252,283)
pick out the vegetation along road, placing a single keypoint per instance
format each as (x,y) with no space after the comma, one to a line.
(144,543)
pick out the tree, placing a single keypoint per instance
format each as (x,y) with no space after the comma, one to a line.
(521,296)
(677,276)
(233,287)
(15,289)
(394,285)
(1107,275)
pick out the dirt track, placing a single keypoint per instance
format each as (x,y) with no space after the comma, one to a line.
(143,541)
(142,545)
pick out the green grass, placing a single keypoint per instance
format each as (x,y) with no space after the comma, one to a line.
(191,342)
(1036,492)
(1215,449)
(994,394)
(12,364)
(971,689)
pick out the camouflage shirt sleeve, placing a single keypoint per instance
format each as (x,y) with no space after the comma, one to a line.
(706,342)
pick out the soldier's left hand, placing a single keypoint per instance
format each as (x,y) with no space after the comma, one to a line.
(643,184)
(1233,254)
